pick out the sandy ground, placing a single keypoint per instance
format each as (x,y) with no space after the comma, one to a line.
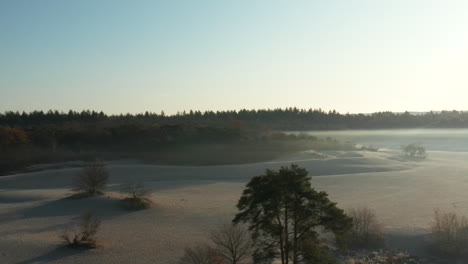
(191,201)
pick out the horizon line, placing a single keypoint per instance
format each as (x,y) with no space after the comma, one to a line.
(186,112)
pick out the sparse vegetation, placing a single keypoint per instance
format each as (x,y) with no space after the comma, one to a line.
(233,244)
(450,233)
(414,150)
(92,179)
(367,231)
(83,233)
(137,195)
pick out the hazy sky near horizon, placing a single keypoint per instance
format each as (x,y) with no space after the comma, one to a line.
(132,56)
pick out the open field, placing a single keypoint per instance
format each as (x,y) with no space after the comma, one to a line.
(190,201)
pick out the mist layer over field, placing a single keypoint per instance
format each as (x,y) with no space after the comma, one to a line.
(432,139)
(190,201)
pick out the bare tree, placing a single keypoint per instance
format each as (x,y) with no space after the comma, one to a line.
(201,254)
(367,230)
(233,243)
(92,179)
(82,234)
(450,233)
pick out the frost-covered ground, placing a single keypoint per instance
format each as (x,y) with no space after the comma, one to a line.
(190,201)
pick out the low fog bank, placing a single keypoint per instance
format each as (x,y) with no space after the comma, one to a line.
(433,139)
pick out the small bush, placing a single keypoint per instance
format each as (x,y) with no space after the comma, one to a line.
(367,231)
(82,234)
(135,189)
(92,179)
(450,233)
(414,150)
(137,195)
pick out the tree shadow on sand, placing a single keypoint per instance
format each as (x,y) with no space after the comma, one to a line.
(104,206)
(34,230)
(54,255)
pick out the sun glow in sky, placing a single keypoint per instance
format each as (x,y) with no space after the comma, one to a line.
(133,56)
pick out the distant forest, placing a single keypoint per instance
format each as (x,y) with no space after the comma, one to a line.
(53,136)
(96,130)
(277,119)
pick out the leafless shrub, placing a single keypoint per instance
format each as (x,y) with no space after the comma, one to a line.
(137,195)
(135,189)
(92,179)
(89,225)
(233,243)
(82,234)
(450,233)
(367,231)
(202,254)
(70,237)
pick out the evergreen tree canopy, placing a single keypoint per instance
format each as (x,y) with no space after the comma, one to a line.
(284,212)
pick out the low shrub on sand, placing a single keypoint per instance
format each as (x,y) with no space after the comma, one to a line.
(91,180)
(137,195)
(367,231)
(414,150)
(83,233)
(450,233)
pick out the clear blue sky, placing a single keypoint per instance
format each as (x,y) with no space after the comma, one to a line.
(133,56)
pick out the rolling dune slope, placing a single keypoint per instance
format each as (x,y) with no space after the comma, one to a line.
(190,201)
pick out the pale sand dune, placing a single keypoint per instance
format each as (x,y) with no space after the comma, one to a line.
(190,201)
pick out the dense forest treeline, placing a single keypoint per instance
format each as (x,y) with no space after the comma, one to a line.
(96,131)
(194,137)
(277,119)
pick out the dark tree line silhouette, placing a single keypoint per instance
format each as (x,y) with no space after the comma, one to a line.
(53,136)
(283,119)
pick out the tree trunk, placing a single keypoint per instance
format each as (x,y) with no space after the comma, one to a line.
(281,241)
(295,240)
(286,235)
